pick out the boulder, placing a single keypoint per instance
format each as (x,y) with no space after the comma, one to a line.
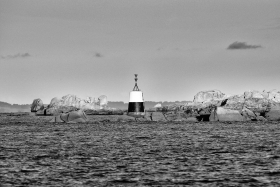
(37,105)
(158,105)
(261,118)
(157,116)
(71,117)
(222,114)
(70,103)
(274,95)
(190,112)
(253,94)
(235,102)
(274,113)
(248,114)
(55,101)
(209,95)
(259,105)
(88,103)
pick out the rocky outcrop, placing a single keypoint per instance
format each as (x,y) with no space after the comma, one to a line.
(76,102)
(69,103)
(209,95)
(214,105)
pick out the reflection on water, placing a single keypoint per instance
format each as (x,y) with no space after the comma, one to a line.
(129,154)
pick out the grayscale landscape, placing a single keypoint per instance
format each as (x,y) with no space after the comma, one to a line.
(139,93)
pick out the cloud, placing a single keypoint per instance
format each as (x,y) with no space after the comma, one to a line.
(242,45)
(98,55)
(19,55)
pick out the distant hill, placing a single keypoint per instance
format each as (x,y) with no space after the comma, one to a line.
(6,107)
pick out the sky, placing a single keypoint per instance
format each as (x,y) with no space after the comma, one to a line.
(51,48)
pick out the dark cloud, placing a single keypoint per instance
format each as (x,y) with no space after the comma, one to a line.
(19,55)
(242,45)
(98,55)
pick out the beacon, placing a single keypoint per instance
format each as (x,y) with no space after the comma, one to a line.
(136,105)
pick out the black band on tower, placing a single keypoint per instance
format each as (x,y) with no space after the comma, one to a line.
(136,107)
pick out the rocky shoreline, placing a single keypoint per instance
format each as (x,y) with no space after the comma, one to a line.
(211,105)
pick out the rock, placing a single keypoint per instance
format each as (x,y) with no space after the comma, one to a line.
(37,105)
(209,95)
(157,105)
(70,103)
(71,117)
(55,101)
(235,102)
(261,118)
(265,94)
(253,94)
(257,104)
(274,95)
(248,114)
(274,113)
(221,114)
(173,107)
(190,111)
(205,111)
(157,116)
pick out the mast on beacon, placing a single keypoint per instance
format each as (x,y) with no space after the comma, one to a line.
(136,105)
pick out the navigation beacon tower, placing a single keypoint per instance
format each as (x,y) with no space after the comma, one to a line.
(136,105)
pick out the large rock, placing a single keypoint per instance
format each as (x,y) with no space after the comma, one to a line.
(254,94)
(235,102)
(158,105)
(70,103)
(274,113)
(274,95)
(248,115)
(259,105)
(71,117)
(261,118)
(37,105)
(221,114)
(209,95)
